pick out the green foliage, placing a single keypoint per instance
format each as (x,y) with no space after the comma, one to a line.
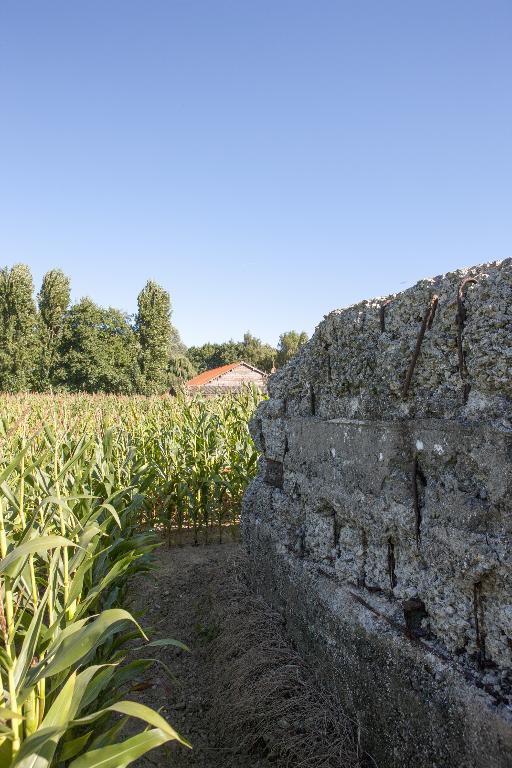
(83,483)
(251,350)
(201,460)
(255,352)
(211,355)
(85,347)
(181,369)
(98,351)
(154,330)
(53,301)
(18,334)
(289,344)
(91,349)
(71,493)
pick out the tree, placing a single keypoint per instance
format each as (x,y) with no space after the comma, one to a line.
(98,351)
(251,350)
(18,336)
(155,333)
(255,352)
(211,355)
(53,301)
(289,344)
(180,367)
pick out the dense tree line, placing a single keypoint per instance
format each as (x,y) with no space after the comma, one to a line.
(252,350)
(47,343)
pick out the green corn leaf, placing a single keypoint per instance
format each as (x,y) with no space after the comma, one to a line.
(74,747)
(30,641)
(115,679)
(168,671)
(122,754)
(14,464)
(82,686)
(9,714)
(59,713)
(113,512)
(13,562)
(82,447)
(10,496)
(97,685)
(117,569)
(84,541)
(78,644)
(77,580)
(5,751)
(109,736)
(165,641)
(38,750)
(71,629)
(140,711)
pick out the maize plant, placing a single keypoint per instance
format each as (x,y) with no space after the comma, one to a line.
(85,481)
(202,464)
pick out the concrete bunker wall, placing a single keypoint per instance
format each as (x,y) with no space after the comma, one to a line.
(380,520)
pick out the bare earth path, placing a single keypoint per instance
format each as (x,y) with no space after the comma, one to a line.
(180,599)
(242,695)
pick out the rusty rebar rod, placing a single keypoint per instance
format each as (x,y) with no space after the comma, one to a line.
(460,319)
(428,319)
(382,315)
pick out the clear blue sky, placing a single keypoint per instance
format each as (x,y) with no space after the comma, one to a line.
(265,160)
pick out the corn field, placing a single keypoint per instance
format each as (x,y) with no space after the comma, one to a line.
(87,486)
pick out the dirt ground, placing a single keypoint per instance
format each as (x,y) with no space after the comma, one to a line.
(242,695)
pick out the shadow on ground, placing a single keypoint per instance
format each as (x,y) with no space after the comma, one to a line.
(243,696)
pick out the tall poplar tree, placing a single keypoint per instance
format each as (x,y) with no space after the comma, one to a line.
(155,334)
(53,301)
(18,329)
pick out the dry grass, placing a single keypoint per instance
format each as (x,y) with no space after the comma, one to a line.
(269,701)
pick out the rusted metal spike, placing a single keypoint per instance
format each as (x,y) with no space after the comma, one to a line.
(428,319)
(460,319)
(382,315)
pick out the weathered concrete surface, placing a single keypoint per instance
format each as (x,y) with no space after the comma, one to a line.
(380,521)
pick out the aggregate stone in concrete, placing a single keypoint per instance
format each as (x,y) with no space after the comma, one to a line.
(380,521)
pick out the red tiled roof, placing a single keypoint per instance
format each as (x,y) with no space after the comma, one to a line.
(208,376)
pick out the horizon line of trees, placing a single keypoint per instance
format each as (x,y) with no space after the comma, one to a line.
(250,349)
(49,344)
